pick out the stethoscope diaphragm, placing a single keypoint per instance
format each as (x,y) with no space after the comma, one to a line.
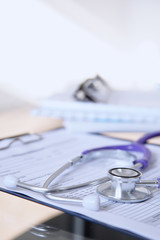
(122,186)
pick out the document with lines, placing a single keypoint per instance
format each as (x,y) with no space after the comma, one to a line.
(33,163)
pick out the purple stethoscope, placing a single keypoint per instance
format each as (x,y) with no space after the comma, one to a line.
(123,184)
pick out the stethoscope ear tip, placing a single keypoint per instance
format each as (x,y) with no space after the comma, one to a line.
(91,202)
(10,181)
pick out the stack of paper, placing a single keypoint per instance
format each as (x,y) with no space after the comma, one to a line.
(125,111)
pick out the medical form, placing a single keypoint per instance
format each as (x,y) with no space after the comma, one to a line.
(33,163)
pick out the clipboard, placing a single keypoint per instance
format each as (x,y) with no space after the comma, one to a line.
(69,210)
(73,210)
(52,205)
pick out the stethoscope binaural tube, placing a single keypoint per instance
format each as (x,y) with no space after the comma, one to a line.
(91,202)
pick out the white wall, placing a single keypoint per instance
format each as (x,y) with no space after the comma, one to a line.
(46,46)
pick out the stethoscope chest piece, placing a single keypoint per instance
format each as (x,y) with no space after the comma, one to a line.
(122,186)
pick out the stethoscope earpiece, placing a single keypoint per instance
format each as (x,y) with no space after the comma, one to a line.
(10,181)
(91,202)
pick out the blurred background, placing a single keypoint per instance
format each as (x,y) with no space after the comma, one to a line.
(47,46)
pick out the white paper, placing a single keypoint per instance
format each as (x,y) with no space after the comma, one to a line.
(33,163)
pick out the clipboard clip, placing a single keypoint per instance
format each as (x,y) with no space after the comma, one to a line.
(25,138)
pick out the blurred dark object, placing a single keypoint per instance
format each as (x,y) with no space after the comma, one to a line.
(69,227)
(93,89)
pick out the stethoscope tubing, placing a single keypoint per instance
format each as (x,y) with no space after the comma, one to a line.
(148,136)
(137,146)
